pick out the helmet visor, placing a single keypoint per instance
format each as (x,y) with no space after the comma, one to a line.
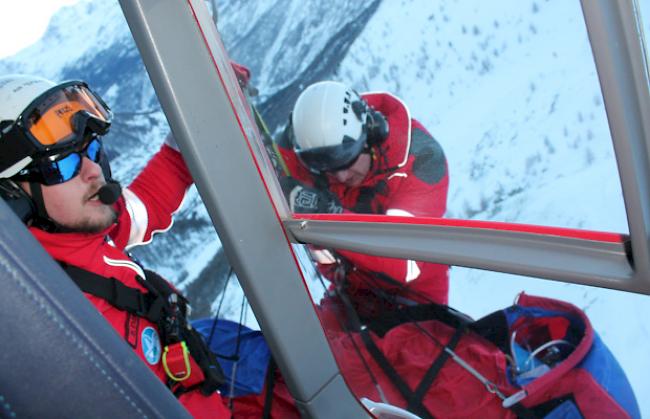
(333,158)
(50,119)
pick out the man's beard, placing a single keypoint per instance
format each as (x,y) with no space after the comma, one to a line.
(91,226)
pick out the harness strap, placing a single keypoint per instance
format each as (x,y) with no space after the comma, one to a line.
(414,406)
(152,306)
(270,383)
(432,372)
(207,361)
(418,313)
(160,288)
(116,293)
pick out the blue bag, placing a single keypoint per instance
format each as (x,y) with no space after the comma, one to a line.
(245,369)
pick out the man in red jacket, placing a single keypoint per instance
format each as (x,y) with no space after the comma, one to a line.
(54,174)
(347,153)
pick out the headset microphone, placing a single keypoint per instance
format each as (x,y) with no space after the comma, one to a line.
(110,192)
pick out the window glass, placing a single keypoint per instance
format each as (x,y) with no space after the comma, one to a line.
(511,95)
(347,294)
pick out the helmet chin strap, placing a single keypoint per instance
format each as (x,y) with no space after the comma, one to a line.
(42,219)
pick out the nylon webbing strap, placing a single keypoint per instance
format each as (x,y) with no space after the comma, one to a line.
(380,359)
(417,313)
(270,384)
(432,373)
(416,407)
(37,197)
(131,300)
(152,307)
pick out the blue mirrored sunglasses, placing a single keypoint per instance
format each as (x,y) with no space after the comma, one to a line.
(64,167)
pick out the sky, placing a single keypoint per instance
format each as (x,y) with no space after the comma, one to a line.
(14,16)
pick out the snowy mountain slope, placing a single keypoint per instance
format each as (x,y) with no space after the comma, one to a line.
(279,40)
(508,88)
(290,45)
(74,36)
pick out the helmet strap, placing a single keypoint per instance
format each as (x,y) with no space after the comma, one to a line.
(106,166)
(42,219)
(18,200)
(377,128)
(37,197)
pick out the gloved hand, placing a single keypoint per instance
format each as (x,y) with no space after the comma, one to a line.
(305,200)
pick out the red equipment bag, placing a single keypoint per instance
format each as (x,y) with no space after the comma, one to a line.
(539,358)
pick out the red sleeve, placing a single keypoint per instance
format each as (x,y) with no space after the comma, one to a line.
(421,189)
(156,193)
(418,198)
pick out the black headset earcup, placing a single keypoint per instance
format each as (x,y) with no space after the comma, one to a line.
(23,207)
(377,128)
(18,200)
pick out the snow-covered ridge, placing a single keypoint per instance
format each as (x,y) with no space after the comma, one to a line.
(75,33)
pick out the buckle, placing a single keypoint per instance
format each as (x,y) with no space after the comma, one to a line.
(129,299)
(142,309)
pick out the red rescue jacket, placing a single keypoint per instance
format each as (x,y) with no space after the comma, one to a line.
(146,207)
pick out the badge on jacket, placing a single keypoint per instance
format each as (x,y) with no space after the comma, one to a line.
(150,345)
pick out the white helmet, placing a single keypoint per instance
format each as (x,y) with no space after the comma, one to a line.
(329,124)
(17,92)
(39,118)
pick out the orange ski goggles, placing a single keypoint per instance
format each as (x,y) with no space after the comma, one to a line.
(63,117)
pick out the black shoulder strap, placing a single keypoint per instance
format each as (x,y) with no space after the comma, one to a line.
(270,384)
(131,300)
(151,306)
(414,406)
(417,398)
